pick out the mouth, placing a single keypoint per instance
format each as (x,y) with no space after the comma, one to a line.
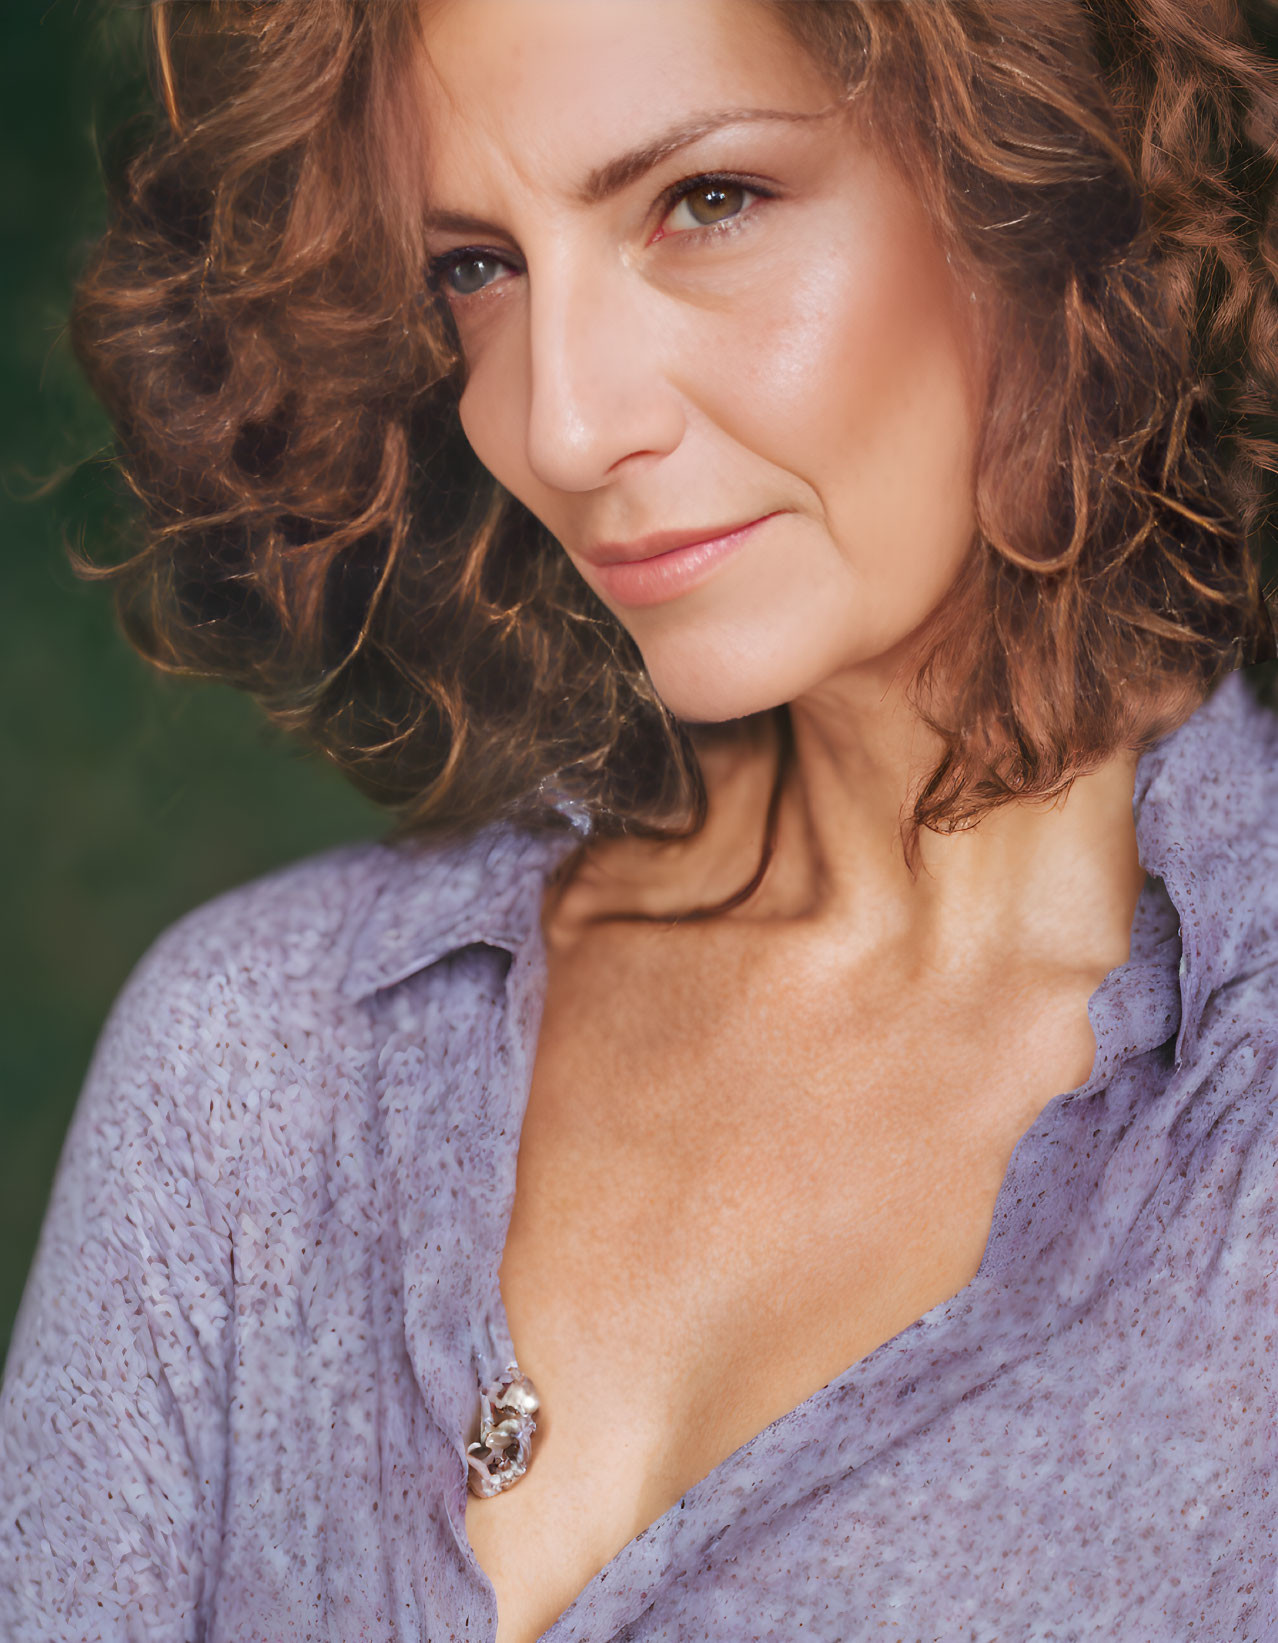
(657,543)
(653,569)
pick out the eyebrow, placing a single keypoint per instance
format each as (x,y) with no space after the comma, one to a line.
(617,174)
(611,178)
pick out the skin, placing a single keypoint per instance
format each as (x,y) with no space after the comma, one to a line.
(781,1179)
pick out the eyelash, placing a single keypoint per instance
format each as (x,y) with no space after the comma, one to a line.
(438,267)
(677,192)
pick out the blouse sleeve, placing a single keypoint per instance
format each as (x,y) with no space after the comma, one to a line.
(112,1415)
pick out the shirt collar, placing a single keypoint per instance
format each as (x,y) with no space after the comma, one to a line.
(1201,800)
(438,897)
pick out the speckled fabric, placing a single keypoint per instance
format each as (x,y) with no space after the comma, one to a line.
(237,1400)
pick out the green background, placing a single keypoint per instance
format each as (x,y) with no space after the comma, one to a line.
(128,797)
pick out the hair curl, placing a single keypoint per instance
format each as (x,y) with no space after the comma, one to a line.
(285,389)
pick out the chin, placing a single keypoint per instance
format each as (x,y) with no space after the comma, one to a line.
(717,684)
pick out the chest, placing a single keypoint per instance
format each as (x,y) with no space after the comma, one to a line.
(727,1194)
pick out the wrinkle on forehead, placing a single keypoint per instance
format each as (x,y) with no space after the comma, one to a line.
(614,175)
(624,82)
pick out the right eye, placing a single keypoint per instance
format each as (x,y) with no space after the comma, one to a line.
(463,272)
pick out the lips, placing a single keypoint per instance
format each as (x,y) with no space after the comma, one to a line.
(659,542)
(651,570)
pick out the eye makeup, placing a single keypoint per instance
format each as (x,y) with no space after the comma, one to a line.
(442,270)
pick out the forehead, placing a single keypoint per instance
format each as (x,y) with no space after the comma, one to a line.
(548,88)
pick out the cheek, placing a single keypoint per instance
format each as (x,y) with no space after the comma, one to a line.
(494,405)
(852,372)
(494,425)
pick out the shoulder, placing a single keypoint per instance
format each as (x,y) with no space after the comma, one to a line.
(289,923)
(1229,838)
(301,947)
(231,1006)
(240,1044)
(302,927)
(1207,792)
(248,960)
(293,925)
(1207,821)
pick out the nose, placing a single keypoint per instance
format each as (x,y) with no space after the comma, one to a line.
(599,392)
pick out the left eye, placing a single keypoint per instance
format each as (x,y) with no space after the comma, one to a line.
(462,273)
(708,202)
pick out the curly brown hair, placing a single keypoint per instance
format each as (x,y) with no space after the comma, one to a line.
(284,385)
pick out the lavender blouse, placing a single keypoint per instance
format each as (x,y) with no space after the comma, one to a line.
(245,1368)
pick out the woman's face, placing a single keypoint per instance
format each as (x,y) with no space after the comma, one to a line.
(691,298)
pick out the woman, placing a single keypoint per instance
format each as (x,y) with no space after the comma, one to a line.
(769,493)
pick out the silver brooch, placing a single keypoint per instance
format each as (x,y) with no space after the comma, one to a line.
(507,1407)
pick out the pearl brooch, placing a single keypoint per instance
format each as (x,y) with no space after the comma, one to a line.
(507,1407)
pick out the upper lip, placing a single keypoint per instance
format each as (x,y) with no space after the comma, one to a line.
(648,547)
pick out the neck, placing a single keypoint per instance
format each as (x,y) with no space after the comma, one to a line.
(1034,878)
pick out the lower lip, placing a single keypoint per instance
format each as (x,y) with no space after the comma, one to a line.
(665,575)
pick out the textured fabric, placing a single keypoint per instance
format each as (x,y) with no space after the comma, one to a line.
(245,1368)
